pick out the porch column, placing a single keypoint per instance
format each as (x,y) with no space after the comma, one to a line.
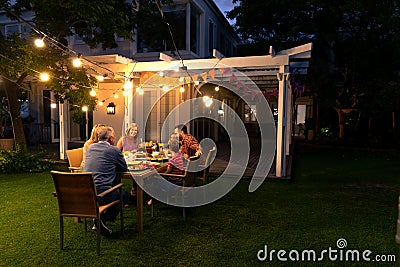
(63,130)
(281,135)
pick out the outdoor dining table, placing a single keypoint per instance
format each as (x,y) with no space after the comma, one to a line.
(139,174)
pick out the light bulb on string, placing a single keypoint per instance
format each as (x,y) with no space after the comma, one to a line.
(77,62)
(100,78)
(196,82)
(116,95)
(128,85)
(139,90)
(53,105)
(85,108)
(92,92)
(39,42)
(44,77)
(216,88)
(182,89)
(100,103)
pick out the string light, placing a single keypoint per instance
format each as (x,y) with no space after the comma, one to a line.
(101,103)
(92,92)
(77,62)
(85,108)
(100,78)
(53,105)
(39,42)
(116,95)
(216,88)
(128,85)
(182,89)
(44,77)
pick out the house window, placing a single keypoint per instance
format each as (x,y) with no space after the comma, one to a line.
(14,28)
(210,38)
(250,113)
(194,30)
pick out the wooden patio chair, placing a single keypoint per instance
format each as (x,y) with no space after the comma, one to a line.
(77,197)
(203,174)
(75,157)
(188,179)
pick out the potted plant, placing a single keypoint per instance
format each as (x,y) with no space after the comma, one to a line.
(6,131)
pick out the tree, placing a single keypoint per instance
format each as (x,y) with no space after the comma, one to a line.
(98,22)
(353,41)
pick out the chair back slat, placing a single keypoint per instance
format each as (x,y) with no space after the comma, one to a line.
(75,157)
(191,171)
(76,194)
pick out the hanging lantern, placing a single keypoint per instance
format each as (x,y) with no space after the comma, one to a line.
(111,108)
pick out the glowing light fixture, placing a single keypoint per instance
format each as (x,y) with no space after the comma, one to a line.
(53,105)
(128,85)
(101,103)
(196,82)
(165,87)
(39,42)
(139,90)
(111,108)
(85,108)
(100,78)
(116,95)
(77,62)
(207,101)
(44,77)
(92,92)
(216,88)
(182,89)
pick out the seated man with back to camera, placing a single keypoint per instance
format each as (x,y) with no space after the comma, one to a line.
(104,160)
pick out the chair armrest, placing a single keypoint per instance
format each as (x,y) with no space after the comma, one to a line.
(170,175)
(110,190)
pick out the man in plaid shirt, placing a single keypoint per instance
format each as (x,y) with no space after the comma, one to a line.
(189,144)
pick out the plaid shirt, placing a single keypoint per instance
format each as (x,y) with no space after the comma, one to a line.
(189,145)
(176,163)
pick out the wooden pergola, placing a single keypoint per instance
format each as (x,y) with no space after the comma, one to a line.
(265,72)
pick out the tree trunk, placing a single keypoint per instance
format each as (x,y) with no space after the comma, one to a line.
(342,120)
(18,128)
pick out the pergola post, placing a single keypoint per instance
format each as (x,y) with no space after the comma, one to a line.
(63,130)
(282,129)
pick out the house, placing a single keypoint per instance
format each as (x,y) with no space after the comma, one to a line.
(204,28)
(217,94)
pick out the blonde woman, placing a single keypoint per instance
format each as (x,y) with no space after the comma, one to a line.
(129,142)
(93,139)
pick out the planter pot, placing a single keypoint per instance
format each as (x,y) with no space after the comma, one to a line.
(6,144)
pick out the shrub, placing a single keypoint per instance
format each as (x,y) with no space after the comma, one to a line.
(18,161)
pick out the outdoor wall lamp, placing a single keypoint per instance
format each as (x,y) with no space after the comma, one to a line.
(111,108)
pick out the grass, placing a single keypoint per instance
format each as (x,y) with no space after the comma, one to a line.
(334,193)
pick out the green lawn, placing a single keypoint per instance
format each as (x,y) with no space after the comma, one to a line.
(334,193)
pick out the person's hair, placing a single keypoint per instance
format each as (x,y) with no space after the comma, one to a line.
(131,126)
(94,134)
(174,145)
(182,128)
(104,133)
